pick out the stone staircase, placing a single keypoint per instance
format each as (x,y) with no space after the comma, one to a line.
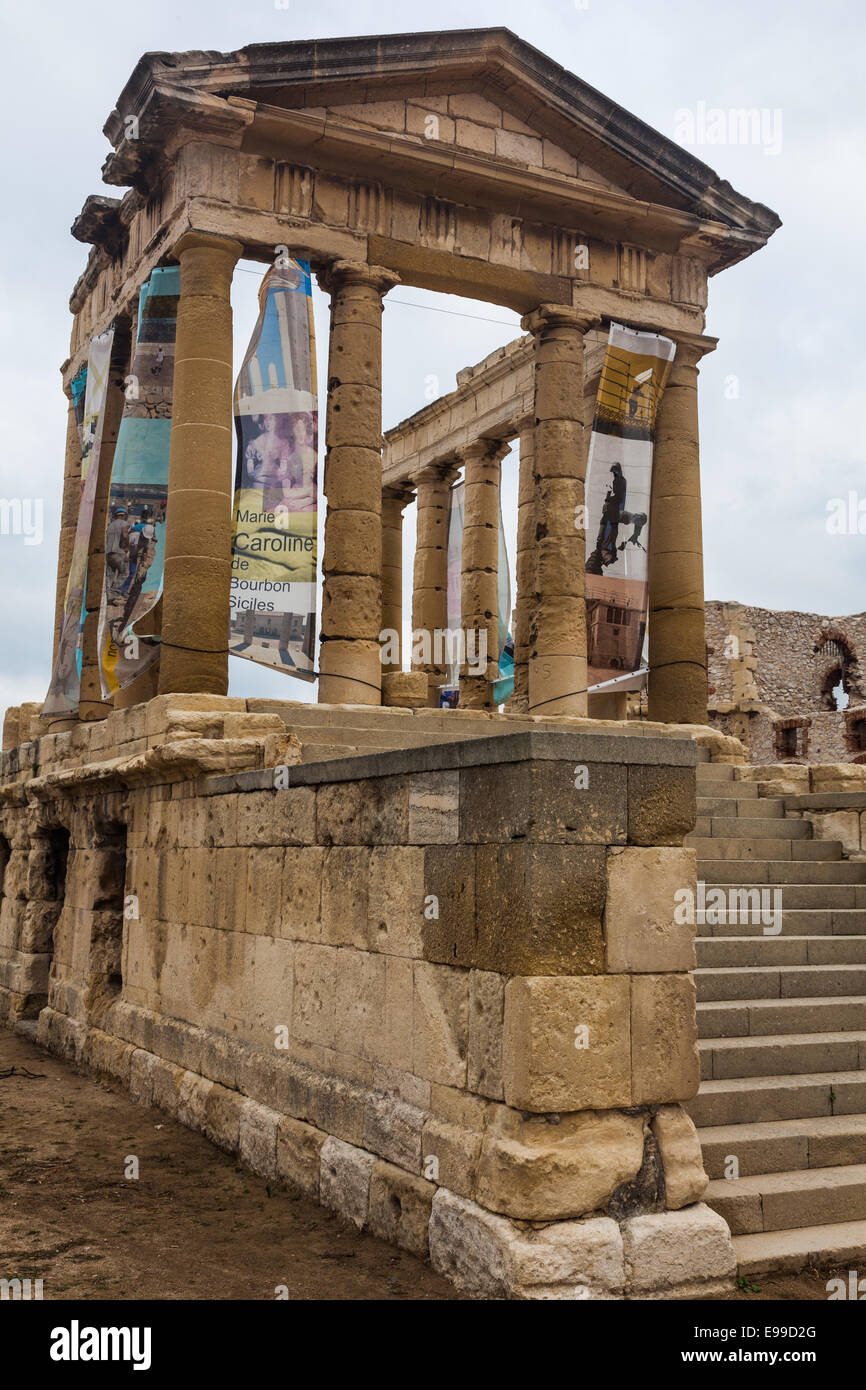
(782,1030)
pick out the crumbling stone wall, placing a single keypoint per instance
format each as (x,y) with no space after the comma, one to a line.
(765,666)
(441,989)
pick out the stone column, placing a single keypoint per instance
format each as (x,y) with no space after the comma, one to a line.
(195,606)
(480,569)
(524,577)
(429,591)
(557,637)
(394,499)
(351,672)
(677,640)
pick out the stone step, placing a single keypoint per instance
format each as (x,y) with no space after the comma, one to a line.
(747,1100)
(782,871)
(751,849)
(777,1146)
(838,1246)
(787,1200)
(766,1018)
(758,828)
(715,772)
(838,921)
(745,808)
(728,791)
(780,982)
(716,951)
(783,1054)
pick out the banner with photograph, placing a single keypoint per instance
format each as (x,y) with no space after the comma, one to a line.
(135,528)
(89,390)
(503,688)
(618,487)
(273,586)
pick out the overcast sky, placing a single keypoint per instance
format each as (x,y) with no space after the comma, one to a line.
(783,399)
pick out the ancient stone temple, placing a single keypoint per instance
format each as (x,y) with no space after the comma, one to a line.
(435,967)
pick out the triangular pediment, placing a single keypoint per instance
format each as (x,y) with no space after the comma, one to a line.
(484,93)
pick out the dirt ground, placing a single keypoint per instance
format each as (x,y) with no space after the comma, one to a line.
(194,1224)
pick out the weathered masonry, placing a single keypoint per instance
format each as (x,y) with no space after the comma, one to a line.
(424,964)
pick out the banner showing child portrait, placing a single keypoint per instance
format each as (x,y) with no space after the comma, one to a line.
(618,487)
(135,528)
(89,391)
(273,586)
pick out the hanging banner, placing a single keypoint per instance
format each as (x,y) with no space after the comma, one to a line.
(135,529)
(273,587)
(618,487)
(458,648)
(89,390)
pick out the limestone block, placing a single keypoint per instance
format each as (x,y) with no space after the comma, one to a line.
(314,999)
(301,894)
(337,1106)
(677,1254)
(486,1018)
(257,1138)
(404,689)
(475,137)
(538,909)
(346,1173)
(488,1255)
(192,1101)
(395,906)
(384,810)
(663,1039)
(392,1129)
(837,825)
(640,934)
(547,1168)
(280,817)
(393,1045)
(141,1065)
(836,777)
(441,1008)
(264,884)
(400,1205)
(107,1057)
(223,1110)
(446,912)
(567,1043)
(540,801)
(661,804)
(568,1260)
(268,987)
(680,1151)
(345,878)
(299,1155)
(434,808)
(338,814)
(418,123)
(359,1002)
(523,149)
(167,1081)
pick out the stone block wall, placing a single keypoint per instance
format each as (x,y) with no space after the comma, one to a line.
(440,989)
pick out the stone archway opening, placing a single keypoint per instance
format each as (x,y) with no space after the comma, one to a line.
(43,940)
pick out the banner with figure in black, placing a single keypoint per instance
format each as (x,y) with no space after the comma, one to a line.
(618,486)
